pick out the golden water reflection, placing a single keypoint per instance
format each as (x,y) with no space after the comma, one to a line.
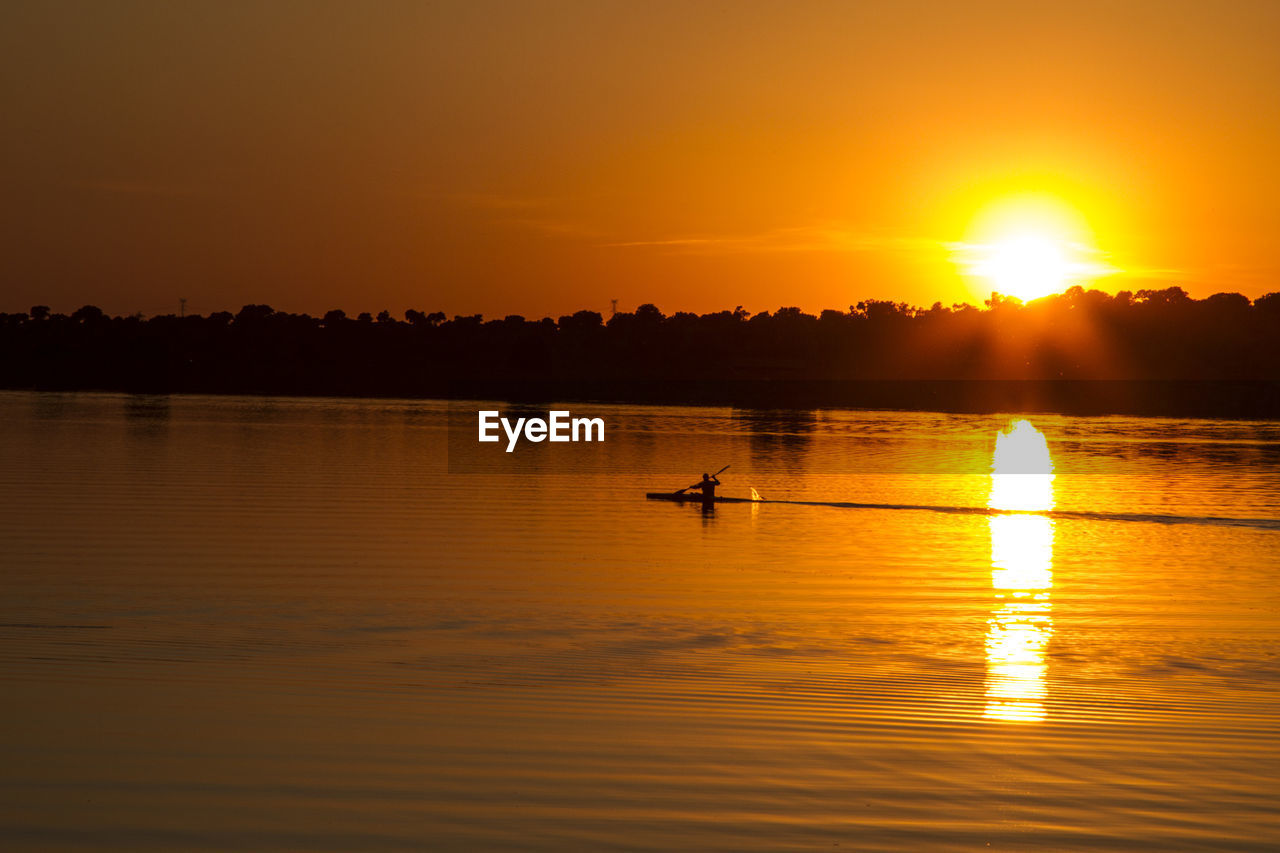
(1021,574)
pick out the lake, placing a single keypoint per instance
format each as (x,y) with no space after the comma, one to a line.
(316,624)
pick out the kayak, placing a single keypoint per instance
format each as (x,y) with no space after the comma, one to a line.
(696,498)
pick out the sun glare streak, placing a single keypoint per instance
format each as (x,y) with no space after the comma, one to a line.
(1021,622)
(1021,470)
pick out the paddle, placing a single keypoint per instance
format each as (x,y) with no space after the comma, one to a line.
(713,476)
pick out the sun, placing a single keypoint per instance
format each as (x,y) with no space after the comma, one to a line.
(1028,246)
(1027,266)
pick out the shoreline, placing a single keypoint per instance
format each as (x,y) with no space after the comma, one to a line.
(1195,399)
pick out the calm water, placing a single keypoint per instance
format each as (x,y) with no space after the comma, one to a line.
(303,624)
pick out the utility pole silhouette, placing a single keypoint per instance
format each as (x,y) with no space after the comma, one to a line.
(613,307)
(182,306)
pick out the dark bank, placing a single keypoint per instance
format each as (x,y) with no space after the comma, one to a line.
(1080,352)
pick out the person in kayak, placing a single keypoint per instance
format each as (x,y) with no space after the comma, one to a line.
(707,486)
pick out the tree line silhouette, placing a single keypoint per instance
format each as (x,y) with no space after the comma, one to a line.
(1152,336)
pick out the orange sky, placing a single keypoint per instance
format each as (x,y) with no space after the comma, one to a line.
(538,158)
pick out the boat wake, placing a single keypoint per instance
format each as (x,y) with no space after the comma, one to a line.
(1078,515)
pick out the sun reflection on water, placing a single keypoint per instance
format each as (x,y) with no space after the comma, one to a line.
(1021,575)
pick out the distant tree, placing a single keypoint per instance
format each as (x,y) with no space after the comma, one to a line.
(1168,296)
(649,314)
(254,314)
(1268,304)
(1228,301)
(882,309)
(87,314)
(39,312)
(1001,300)
(581,321)
(417,318)
(334,317)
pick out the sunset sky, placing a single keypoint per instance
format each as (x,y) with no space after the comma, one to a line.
(543,157)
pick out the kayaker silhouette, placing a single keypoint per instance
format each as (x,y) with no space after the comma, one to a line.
(707,486)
